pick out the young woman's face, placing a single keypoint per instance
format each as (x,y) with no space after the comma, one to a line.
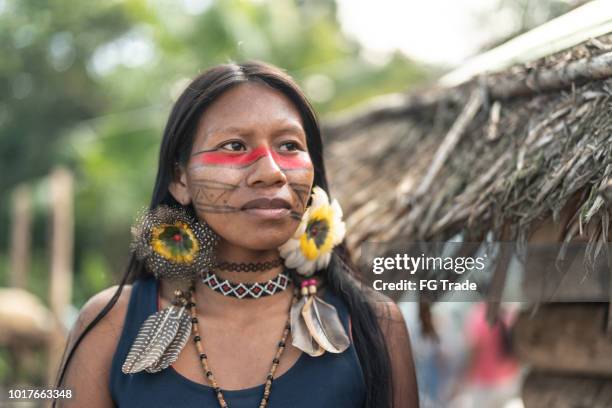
(249,174)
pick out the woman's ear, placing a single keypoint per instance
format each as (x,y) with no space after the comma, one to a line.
(178,186)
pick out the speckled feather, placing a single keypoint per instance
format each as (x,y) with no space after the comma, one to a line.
(159,341)
(178,343)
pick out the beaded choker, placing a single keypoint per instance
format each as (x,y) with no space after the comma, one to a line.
(241,290)
(248,266)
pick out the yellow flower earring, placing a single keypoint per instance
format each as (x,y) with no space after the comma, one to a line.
(320,230)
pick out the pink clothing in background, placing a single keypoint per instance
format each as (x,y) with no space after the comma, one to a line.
(490,364)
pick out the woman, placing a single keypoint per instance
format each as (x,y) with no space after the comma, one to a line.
(241,153)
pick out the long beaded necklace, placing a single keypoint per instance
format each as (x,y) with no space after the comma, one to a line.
(204,359)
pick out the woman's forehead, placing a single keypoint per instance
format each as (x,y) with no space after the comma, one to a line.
(247,107)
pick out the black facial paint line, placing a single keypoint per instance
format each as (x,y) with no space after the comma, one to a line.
(300,202)
(210,192)
(296,215)
(300,187)
(301,191)
(213,191)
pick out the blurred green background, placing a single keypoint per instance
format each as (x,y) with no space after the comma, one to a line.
(89,85)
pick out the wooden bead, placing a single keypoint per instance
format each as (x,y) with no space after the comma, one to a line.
(208,373)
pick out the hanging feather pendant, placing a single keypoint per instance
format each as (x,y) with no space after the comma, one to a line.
(173,350)
(300,335)
(159,341)
(315,324)
(324,325)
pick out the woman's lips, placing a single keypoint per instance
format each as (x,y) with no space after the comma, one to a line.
(267,208)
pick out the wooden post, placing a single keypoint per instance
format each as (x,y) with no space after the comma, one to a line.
(62,241)
(20,237)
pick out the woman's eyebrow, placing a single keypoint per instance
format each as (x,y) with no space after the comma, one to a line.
(228,129)
(246,132)
(295,129)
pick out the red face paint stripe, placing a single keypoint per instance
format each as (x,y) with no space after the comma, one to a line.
(221,157)
(246,159)
(292,162)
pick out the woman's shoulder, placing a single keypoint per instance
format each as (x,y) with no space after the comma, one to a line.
(98,302)
(387,312)
(397,339)
(89,369)
(107,330)
(386,309)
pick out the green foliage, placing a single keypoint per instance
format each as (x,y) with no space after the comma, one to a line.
(45,86)
(94,275)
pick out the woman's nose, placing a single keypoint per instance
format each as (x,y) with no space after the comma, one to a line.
(266,171)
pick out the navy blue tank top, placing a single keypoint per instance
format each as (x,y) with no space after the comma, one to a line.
(330,380)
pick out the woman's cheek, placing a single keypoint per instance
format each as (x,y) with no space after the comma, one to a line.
(300,184)
(212,190)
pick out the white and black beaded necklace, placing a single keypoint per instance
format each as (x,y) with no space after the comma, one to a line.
(242,290)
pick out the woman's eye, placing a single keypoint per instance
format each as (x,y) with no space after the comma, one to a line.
(233,146)
(290,146)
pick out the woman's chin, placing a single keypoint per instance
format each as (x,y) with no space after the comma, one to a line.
(260,241)
(266,245)
(254,232)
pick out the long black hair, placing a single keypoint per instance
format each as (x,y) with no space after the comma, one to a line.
(341,275)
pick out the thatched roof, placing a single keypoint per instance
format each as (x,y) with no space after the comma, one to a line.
(504,149)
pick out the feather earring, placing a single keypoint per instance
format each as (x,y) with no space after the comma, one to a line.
(173,246)
(315,324)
